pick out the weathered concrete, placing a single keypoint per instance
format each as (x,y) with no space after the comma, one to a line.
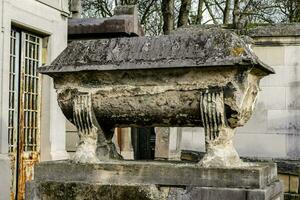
(206,77)
(74,190)
(274,30)
(206,48)
(161,173)
(153,181)
(124,23)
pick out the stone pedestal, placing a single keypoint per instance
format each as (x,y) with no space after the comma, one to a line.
(132,180)
(162,135)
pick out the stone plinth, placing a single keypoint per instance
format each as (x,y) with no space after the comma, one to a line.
(153,180)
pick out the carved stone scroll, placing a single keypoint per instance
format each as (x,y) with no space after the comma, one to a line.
(218,135)
(93,145)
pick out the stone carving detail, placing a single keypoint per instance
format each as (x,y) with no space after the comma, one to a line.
(212,113)
(210,79)
(218,135)
(94,145)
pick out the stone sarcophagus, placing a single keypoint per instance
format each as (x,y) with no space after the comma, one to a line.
(204,77)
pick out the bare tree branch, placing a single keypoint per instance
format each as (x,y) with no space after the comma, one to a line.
(199,12)
(210,12)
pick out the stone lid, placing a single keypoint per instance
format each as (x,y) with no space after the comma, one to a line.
(123,23)
(212,47)
(274,30)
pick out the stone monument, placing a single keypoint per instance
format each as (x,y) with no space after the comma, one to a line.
(194,77)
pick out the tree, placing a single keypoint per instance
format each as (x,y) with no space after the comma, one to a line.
(199,12)
(167,8)
(161,16)
(290,10)
(183,17)
(150,12)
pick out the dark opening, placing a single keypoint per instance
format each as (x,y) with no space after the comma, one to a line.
(143,143)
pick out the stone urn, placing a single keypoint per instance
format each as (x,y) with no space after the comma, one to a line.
(192,78)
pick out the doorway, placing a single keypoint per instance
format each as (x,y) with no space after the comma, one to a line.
(23,108)
(143,143)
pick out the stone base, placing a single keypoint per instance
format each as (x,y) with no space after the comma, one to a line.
(65,191)
(133,180)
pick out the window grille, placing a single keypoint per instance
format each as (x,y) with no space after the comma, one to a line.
(31,90)
(13,90)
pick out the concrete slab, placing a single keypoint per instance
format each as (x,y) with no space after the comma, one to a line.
(67,190)
(159,173)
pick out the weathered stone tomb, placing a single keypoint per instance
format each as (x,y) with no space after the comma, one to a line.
(198,77)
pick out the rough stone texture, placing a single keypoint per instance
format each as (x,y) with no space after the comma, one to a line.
(162,143)
(153,181)
(161,173)
(73,190)
(123,23)
(274,30)
(205,78)
(169,98)
(202,48)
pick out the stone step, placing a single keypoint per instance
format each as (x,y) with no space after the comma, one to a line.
(256,176)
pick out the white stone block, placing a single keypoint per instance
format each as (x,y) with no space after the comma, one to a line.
(173,140)
(258,123)
(280,78)
(261,145)
(292,57)
(293,75)
(293,96)
(293,146)
(273,98)
(271,55)
(193,139)
(5,176)
(283,121)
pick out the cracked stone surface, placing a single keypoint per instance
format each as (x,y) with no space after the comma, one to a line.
(206,77)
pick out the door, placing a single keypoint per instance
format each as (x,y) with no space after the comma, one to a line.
(143,143)
(24,108)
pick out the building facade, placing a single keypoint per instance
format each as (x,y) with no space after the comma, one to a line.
(33,33)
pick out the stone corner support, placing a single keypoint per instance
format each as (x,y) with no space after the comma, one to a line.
(93,145)
(220,151)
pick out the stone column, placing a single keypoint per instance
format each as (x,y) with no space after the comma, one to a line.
(162,143)
(127,150)
(175,143)
(75,8)
(53,137)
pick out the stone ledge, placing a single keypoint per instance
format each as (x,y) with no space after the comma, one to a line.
(72,190)
(158,173)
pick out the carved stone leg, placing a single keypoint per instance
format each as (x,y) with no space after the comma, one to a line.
(218,135)
(106,149)
(93,145)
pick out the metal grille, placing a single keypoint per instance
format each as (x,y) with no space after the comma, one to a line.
(13,90)
(31,90)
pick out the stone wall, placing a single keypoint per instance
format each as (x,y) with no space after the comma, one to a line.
(273,130)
